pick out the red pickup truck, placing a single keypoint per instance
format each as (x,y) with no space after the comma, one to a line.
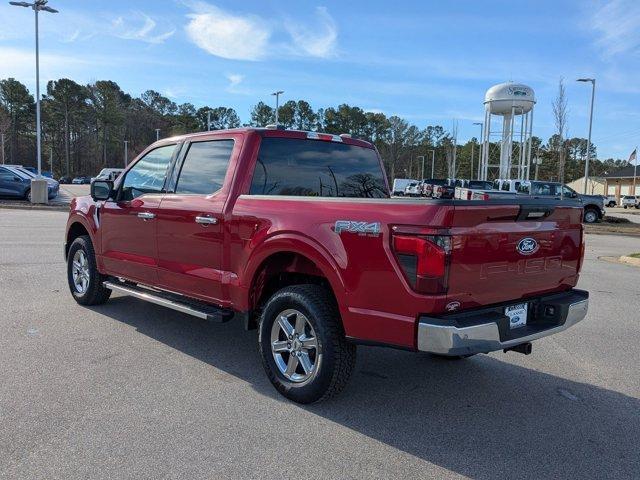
(295,233)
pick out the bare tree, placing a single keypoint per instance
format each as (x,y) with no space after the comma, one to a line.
(560,119)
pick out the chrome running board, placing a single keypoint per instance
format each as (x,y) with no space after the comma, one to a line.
(173,301)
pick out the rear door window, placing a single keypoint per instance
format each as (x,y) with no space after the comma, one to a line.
(316,168)
(205,167)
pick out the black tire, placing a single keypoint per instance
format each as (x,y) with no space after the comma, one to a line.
(27,195)
(625,207)
(95,293)
(590,215)
(336,356)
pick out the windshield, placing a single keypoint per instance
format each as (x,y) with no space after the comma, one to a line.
(22,173)
(316,168)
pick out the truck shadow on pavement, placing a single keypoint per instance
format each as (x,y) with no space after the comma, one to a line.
(480,417)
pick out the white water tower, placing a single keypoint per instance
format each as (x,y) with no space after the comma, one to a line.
(513,104)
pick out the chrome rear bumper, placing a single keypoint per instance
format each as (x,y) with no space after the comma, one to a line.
(465,334)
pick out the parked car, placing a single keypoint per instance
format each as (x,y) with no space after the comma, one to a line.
(629,201)
(14,185)
(472,189)
(411,189)
(45,173)
(109,174)
(52,186)
(65,179)
(610,201)
(239,227)
(445,190)
(400,185)
(430,184)
(81,180)
(593,205)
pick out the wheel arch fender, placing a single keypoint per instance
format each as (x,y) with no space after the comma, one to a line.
(296,244)
(78,224)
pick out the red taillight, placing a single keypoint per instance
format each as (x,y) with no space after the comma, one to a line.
(581,251)
(424,260)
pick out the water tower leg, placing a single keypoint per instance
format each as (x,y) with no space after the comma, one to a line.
(486,146)
(505,146)
(530,146)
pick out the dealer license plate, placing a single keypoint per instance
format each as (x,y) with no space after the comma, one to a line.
(517,315)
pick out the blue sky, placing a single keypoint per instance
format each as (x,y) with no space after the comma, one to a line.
(427,61)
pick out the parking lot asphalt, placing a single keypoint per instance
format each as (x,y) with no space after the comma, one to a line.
(133,390)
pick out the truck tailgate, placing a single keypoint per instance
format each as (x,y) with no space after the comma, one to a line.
(507,252)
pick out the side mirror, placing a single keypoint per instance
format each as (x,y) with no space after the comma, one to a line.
(101,189)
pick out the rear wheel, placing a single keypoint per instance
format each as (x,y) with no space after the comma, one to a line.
(304,351)
(27,195)
(85,282)
(590,216)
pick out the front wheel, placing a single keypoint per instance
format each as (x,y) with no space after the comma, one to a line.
(302,343)
(85,282)
(590,216)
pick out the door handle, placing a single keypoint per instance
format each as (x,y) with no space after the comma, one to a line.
(146,215)
(206,220)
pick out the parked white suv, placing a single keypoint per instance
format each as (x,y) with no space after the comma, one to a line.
(630,201)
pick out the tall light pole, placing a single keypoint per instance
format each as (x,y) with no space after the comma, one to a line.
(37,6)
(157,134)
(586,166)
(208,120)
(421,171)
(277,95)
(2,138)
(481,142)
(126,153)
(433,162)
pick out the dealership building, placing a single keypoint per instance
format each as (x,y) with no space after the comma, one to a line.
(621,182)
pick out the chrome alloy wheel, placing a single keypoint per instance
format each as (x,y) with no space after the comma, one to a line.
(294,346)
(80,272)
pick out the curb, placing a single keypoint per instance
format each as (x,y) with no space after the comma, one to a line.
(630,260)
(17,206)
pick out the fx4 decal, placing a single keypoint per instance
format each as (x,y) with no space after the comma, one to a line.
(361,228)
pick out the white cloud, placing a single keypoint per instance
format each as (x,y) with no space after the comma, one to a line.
(250,37)
(316,42)
(617,23)
(227,35)
(146,32)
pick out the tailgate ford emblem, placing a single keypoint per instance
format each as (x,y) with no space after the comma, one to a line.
(527,246)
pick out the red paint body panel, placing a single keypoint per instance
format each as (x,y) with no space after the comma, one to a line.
(220,263)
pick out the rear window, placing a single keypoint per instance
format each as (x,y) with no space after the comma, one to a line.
(314,168)
(204,167)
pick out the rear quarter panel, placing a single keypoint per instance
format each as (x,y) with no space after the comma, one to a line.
(375,301)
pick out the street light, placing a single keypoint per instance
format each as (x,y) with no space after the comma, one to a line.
(422,171)
(157,134)
(586,167)
(433,162)
(37,6)
(482,143)
(277,95)
(126,153)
